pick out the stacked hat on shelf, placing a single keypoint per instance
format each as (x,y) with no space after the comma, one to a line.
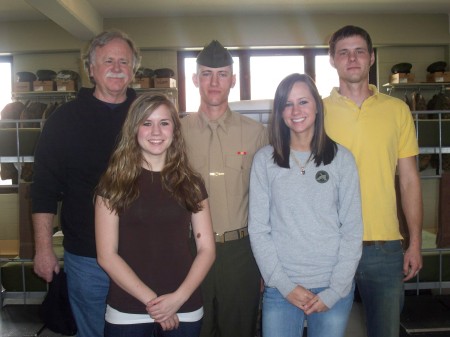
(47,80)
(401,73)
(437,72)
(158,78)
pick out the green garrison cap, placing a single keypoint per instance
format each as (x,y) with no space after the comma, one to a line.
(214,55)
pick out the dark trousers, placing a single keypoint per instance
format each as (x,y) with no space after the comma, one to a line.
(231,292)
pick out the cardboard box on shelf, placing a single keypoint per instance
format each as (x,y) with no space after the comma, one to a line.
(165,83)
(22,86)
(66,85)
(402,78)
(44,85)
(438,76)
(142,83)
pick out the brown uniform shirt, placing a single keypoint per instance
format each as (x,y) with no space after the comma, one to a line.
(240,138)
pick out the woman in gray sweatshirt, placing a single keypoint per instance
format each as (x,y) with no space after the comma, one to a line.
(305,219)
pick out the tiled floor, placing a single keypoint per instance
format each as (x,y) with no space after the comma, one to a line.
(17,320)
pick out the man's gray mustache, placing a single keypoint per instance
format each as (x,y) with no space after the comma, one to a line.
(114,75)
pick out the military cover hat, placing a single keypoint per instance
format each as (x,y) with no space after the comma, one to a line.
(144,72)
(164,73)
(214,55)
(404,68)
(67,75)
(45,75)
(26,76)
(439,66)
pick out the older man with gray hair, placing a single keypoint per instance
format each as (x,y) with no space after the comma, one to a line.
(73,151)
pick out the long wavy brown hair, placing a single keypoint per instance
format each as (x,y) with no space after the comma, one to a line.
(119,184)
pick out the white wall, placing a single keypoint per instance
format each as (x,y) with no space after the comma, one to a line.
(53,61)
(417,39)
(282,30)
(159,59)
(71,61)
(419,56)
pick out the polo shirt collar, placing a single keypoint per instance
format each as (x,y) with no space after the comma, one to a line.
(335,92)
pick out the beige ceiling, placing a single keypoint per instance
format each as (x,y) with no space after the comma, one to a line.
(84,18)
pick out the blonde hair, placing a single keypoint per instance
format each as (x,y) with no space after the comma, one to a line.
(119,186)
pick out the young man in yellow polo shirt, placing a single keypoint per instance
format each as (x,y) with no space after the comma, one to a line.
(379,131)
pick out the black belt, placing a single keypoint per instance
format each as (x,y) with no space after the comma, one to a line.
(372,243)
(231,235)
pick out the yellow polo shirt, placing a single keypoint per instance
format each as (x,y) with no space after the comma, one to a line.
(378,134)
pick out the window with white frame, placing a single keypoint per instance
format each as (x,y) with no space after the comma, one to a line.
(259,71)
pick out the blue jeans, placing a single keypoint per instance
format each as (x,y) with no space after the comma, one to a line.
(185,329)
(379,278)
(281,318)
(88,286)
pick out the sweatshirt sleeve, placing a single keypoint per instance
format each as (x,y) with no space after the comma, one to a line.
(351,230)
(48,169)
(260,228)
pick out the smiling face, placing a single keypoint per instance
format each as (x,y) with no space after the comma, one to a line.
(112,70)
(299,113)
(155,136)
(352,59)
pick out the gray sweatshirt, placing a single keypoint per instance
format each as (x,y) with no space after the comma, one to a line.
(306,229)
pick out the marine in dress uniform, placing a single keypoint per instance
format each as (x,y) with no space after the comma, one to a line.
(221,145)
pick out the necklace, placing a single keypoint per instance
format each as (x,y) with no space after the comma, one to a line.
(302,167)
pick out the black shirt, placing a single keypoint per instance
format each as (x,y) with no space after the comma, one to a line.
(72,153)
